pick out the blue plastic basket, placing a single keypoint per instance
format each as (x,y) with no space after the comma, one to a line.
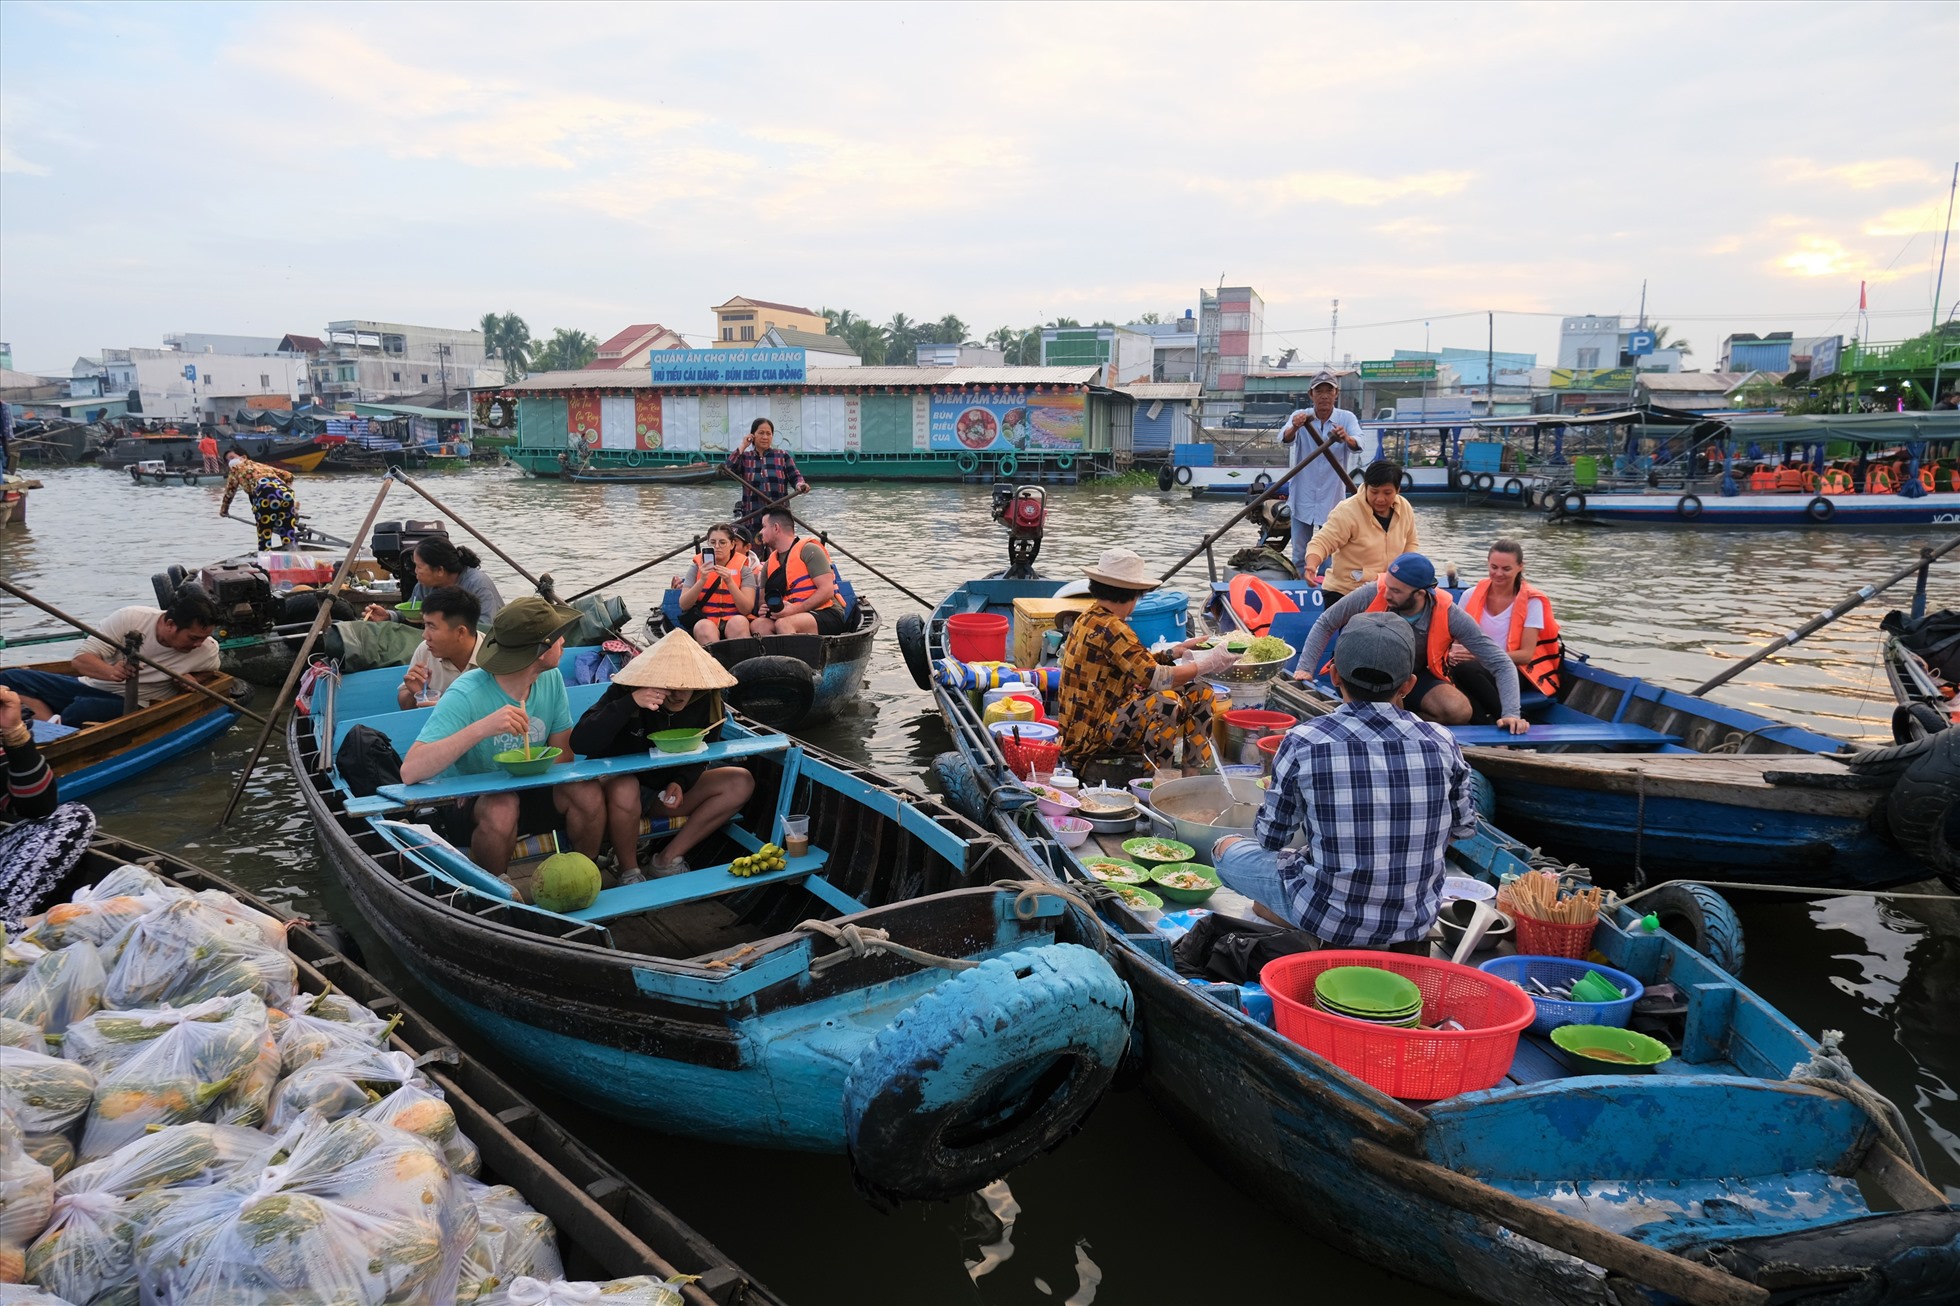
(1553,971)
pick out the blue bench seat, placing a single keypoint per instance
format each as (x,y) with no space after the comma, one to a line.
(693,886)
(1544,736)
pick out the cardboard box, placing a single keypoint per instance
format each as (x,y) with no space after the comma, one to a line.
(1034,618)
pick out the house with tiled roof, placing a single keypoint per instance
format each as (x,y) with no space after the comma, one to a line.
(741,322)
(819,349)
(629,348)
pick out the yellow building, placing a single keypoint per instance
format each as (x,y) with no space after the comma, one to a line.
(740,323)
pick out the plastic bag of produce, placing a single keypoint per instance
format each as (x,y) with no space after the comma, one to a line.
(512,1241)
(20,1034)
(45,1094)
(272,930)
(355,1214)
(422,1112)
(26,1294)
(16,955)
(317,1025)
(164,1067)
(57,990)
(190,950)
(92,916)
(26,1200)
(52,1150)
(640,1290)
(342,1085)
(176,1156)
(249,1101)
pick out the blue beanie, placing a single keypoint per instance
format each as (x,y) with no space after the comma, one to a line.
(1414,570)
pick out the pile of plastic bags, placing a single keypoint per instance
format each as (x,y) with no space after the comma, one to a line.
(179,1124)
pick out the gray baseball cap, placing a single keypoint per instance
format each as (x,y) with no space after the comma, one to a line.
(1324,378)
(1376,651)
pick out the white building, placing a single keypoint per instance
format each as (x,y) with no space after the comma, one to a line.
(818,350)
(934,355)
(202,387)
(208,342)
(1592,343)
(1174,347)
(366,361)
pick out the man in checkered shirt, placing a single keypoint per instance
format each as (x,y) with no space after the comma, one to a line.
(1381,794)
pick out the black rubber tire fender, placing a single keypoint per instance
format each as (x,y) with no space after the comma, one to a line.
(189,478)
(777,691)
(1514,488)
(1700,918)
(1573,503)
(1165,478)
(1888,763)
(911,630)
(1461,480)
(1184,476)
(1688,507)
(1820,509)
(1912,721)
(1408,481)
(164,588)
(1485,482)
(961,787)
(1924,807)
(1261,483)
(991,1068)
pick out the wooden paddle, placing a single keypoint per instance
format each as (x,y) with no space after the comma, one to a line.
(1326,442)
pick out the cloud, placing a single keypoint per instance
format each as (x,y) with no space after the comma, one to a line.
(1865,174)
(1817,256)
(1345,188)
(1912,221)
(1410,227)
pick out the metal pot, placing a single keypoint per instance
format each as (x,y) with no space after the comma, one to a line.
(1191,806)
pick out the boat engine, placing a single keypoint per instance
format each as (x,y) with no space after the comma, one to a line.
(394,546)
(1022,511)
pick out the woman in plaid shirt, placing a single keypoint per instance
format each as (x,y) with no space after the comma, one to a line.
(1119,697)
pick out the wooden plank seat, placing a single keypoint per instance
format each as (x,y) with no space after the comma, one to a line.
(693,886)
(1540,736)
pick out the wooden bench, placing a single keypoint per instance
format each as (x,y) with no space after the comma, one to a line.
(711,882)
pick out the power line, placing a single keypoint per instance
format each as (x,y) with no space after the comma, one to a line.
(1526,312)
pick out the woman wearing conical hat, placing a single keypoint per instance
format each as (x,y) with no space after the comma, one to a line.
(675,685)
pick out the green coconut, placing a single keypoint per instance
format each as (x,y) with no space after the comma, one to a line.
(566,882)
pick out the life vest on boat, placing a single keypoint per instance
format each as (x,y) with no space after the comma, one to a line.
(1879,479)
(717,597)
(1762,480)
(1789,479)
(1926,479)
(1543,668)
(1255,603)
(1438,659)
(1836,481)
(788,576)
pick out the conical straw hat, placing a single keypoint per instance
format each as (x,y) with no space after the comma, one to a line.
(676,662)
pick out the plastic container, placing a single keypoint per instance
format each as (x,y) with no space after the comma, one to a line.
(1546,939)
(516,763)
(977,636)
(1170,893)
(1255,1002)
(1072,831)
(994,696)
(1554,971)
(1009,710)
(1240,730)
(1268,750)
(1418,1064)
(1030,755)
(1161,614)
(796,835)
(1607,1050)
(1043,732)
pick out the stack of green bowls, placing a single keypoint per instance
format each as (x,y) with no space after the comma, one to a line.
(1369,993)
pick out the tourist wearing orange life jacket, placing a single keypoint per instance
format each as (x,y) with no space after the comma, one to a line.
(720,591)
(798,587)
(1517,616)
(1408,589)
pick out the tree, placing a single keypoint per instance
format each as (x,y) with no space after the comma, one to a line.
(568,350)
(1002,338)
(1662,341)
(840,321)
(492,327)
(1150,319)
(949,330)
(506,337)
(901,338)
(867,341)
(1063,323)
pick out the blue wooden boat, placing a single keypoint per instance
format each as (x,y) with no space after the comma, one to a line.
(790,681)
(92,758)
(767,1011)
(1640,780)
(1720,1178)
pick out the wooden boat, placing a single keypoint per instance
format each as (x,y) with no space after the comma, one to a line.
(765,1010)
(608,1227)
(1925,697)
(94,757)
(155,471)
(790,681)
(676,474)
(13,499)
(1644,781)
(1717,1179)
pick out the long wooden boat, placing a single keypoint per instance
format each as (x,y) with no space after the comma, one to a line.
(1719,1179)
(585,473)
(608,1226)
(155,471)
(765,1010)
(790,681)
(294,453)
(92,758)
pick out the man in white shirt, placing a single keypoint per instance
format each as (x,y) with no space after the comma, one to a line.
(1313,493)
(449,617)
(179,639)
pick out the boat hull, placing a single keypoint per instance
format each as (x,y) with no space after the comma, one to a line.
(837,663)
(95,758)
(1853,511)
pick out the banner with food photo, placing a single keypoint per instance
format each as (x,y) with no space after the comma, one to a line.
(1004,420)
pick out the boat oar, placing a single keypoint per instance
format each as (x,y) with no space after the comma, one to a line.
(192,685)
(694,545)
(443,508)
(1927,556)
(320,618)
(830,543)
(1320,450)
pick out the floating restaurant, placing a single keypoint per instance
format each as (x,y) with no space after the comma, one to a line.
(691,407)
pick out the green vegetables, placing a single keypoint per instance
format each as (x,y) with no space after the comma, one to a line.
(761,862)
(1267,649)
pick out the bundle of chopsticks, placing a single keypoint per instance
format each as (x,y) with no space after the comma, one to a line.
(1537,894)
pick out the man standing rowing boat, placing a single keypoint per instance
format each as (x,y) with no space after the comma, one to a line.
(1318,489)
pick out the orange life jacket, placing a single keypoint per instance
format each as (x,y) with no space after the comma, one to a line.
(1789,480)
(1879,479)
(1762,480)
(788,576)
(1926,479)
(1439,625)
(717,598)
(1543,668)
(1836,481)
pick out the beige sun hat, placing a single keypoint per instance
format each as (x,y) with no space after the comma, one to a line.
(1124,568)
(676,662)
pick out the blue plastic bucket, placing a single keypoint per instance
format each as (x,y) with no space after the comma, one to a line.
(1553,1012)
(1161,614)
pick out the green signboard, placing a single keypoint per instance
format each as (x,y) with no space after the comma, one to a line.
(1399,369)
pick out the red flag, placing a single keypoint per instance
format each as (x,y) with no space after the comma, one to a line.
(1861,296)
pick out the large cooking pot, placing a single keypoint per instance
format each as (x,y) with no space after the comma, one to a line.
(1200,809)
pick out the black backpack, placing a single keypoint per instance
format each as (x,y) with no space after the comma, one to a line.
(1227,948)
(367,760)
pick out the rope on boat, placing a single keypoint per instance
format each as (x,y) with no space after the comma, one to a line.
(855,941)
(1806,890)
(1029,892)
(1829,1071)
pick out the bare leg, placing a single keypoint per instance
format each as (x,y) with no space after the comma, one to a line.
(760,626)
(1446,705)
(796,623)
(715,797)
(496,832)
(738,627)
(583,805)
(706,632)
(623,818)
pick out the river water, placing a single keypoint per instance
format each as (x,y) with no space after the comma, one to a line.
(1125,1212)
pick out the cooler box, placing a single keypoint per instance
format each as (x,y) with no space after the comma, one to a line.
(1034,618)
(1160,614)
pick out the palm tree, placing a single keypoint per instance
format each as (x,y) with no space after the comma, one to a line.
(867,341)
(1002,338)
(901,336)
(840,321)
(492,328)
(568,350)
(1661,341)
(514,346)
(949,330)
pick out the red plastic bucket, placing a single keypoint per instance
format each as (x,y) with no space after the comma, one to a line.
(977,636)
(1268,750)
(1241,728)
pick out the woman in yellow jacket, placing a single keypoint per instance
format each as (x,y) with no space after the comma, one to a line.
(1368,530)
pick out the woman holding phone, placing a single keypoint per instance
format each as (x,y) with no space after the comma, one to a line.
(718,594)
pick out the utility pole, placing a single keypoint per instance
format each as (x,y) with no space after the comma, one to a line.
(1333,338)
(1939,282)
(1643,303)
(1490,365)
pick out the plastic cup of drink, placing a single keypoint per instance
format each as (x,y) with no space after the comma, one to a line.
(796,835)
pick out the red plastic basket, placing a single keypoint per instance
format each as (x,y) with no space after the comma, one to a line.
(1408,1063)
(1031,755)
(1549,939)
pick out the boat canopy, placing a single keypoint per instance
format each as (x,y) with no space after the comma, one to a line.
(1858,428)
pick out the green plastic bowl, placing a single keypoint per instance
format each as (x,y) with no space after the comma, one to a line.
(1175,894)
(1358,989)
(1135,848)
(516,763)
(678,741)
(1139,899)
(1131,872)
(1611,1049)
(409,607)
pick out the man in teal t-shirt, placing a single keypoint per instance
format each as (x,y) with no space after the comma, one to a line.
(513,695)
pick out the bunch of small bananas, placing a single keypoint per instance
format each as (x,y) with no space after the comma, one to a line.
(763,860)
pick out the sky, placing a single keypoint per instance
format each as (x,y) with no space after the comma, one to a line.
(259,169)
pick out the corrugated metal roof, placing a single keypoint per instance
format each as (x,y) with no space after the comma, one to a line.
(1162,390)
(1692,382)
(597,379)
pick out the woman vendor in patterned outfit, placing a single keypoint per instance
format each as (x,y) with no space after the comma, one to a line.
(270,490)
(1116,695)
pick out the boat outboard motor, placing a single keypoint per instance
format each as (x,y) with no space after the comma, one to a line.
(1023,511)
(394,546)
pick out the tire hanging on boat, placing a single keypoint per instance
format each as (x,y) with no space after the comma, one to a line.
(1820,509)
(1006,466)
(961,786)
(1923,808)
(967,463)
(1514,488)
(990,1069)
(1184,476)
(1688,507)
(1408,482)
(1485,482)
(1261,483)
(1573,503)
(1164,478)
(1702,919)
(912,644)
(1912,721)
(777,691)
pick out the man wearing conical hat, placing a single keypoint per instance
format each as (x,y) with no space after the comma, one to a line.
(675,685)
